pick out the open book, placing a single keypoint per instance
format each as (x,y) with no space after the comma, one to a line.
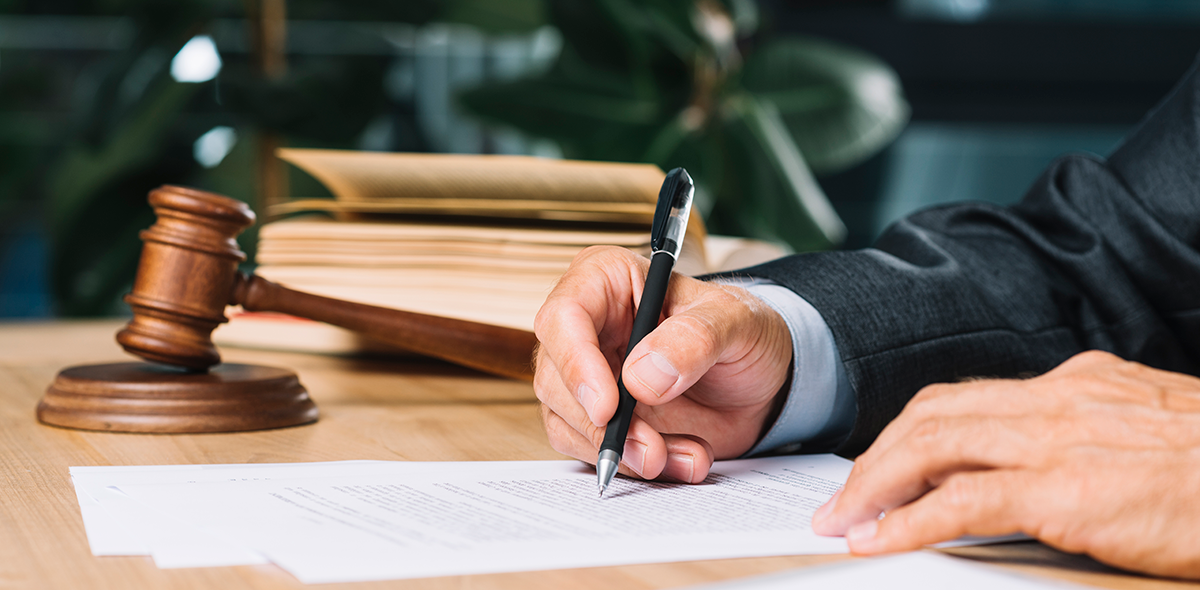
(491,186)
(477,238)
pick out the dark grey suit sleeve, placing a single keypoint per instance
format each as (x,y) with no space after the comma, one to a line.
(1098,255)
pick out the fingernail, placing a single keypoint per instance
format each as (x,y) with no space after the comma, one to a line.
(861,536)
(634,456)
(655,372)
(680,466)
(822,515)
(587,398)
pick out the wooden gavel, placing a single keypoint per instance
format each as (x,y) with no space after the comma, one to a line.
(188,275)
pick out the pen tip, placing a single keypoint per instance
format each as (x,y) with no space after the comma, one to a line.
(602,491)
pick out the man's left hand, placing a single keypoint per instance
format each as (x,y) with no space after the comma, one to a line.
(1099,456)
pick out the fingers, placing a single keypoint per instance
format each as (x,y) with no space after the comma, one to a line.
(990,397)
(978,503)
(572,432)
(935,450)
(571,351)
(731,338)
(689,458)
(567,410)
(583,317)
(1093,377)
(568,441)
(647,453)
(1067,457)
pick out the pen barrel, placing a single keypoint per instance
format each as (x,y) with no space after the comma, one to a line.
(649,309)
(654,294)
(618,427)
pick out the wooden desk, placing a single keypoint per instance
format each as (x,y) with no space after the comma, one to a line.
(370,409)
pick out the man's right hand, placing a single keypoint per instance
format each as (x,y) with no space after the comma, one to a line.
(706,380)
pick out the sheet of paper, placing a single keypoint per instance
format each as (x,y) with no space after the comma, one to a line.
(118,525)
(106,535)
(466,519)
(909,571)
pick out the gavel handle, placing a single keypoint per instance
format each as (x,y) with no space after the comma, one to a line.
(493,349)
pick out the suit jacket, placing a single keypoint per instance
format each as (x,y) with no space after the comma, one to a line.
(1100,254)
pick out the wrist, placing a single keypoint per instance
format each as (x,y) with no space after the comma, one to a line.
(775,408)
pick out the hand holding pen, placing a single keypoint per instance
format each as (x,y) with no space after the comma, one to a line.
(705,379)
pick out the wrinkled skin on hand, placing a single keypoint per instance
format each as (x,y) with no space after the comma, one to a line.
(706,380)
(1099,456)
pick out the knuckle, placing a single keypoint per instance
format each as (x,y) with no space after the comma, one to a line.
(593,433)
(544,384)
(593,254)
(560,445)
(699,330)
(1092,357)
(556,434)
(1138,371)
(928,433)
(1099,355)
(962,493)
(545,317)
(739,304)
(857,470)
(726,296)
(932,392)
(603,258)
(923,405)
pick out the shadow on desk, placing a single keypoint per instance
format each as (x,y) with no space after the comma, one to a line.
(1035,557)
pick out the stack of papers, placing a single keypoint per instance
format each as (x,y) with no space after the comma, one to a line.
(378,520)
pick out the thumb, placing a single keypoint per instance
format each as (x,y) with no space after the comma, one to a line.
(717,324)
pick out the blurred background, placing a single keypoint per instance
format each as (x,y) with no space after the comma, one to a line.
(810,123)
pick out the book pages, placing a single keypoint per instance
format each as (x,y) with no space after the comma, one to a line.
(452,183)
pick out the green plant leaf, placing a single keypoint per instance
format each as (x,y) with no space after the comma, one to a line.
(841,105)
(644,43)
(587,124)
(594,35)
(136,143)
(771,194)
(498,16)
(314,99)
(544,106)
(623,90)
(670,22)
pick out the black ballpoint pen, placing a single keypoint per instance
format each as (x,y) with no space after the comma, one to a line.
(666,239)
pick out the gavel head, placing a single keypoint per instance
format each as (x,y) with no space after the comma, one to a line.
(185,278)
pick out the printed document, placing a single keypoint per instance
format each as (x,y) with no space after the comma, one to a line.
(383,520)
(377,520)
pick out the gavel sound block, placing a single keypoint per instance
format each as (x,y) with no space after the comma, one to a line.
(187,275)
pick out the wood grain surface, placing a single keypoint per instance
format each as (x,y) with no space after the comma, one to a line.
(370,409)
